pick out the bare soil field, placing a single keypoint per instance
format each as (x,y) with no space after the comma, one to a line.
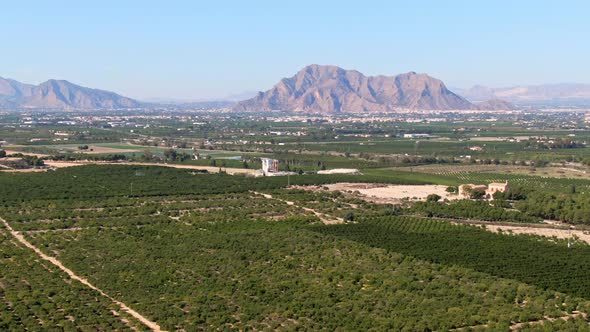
(385,193)
(61,164)
(92,149)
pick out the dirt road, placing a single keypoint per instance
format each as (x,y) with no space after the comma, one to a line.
(543,231)
(19,237)
(325,218)
(210,169)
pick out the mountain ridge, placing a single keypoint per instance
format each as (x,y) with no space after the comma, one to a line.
(60,94)
(331,89)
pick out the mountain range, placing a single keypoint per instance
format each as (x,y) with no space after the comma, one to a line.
(59,94)
(547,94)
(331,89)
(319,89)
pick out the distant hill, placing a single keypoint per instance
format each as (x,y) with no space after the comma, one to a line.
(330,89)
(549,94)
(59,94)
(495,105)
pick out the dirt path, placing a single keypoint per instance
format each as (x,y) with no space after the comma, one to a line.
(325,218)
(550,229)
(573,315)
(18,236)
(518,326)
(543,231)
(210,169)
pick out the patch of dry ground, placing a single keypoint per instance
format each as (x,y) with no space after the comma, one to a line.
(92,149)
(386,193)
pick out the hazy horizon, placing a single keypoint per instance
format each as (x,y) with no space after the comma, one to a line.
(194,51)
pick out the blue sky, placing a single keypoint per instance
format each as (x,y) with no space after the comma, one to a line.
(207,49)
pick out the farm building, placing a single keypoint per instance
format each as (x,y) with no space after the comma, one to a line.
(269,166)
(490,190)
(495,187)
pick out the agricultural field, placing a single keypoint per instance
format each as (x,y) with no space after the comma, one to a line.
(561,171)
(120,243)
(450,175)
(520,257)
(36,296)
(212,251)
(302,145)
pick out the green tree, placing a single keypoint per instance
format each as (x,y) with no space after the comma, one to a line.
(477,194)
(452,189)
(349,217)
(170,154)
(433,198)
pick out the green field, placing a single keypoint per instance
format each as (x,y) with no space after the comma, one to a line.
(202,252)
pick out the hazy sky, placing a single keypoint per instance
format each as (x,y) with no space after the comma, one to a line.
(206,49)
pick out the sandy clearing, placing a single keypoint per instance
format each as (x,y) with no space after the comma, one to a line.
(387,193)
(61,164)
(542,231)
(18,236)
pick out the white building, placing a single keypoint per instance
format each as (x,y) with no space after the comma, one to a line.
(269,166)
(417,136)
